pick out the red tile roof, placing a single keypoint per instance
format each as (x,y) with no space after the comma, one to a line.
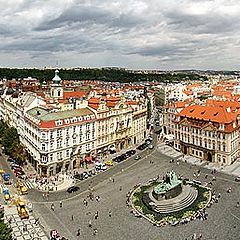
(208,113)
(77,94)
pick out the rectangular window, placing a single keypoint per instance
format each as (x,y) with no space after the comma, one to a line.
(43,147)
(59,132)
(67,153)
(67,142)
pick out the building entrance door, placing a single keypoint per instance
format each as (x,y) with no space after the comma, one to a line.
(209,156)
(185,149)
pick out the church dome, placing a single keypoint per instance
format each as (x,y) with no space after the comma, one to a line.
(56,79)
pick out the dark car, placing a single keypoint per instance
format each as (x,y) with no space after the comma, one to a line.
(73,189)
(78,176)
(124,156)
(132,152)
(118,159)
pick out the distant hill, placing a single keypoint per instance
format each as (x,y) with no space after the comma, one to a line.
(109,75)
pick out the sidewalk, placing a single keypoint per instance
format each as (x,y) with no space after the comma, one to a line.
(26,229)
(233,169)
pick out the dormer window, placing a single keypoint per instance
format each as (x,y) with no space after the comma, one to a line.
(222,126)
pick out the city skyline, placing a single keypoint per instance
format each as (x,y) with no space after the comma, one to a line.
(134,34)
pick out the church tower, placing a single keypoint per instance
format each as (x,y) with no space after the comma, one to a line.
(56,87)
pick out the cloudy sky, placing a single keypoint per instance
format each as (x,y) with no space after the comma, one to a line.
(136,34)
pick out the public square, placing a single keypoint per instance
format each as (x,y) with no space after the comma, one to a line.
(114,219)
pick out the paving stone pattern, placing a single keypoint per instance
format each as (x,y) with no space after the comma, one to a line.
(32,232)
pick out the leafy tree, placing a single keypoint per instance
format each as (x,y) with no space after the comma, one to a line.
(9,137)
(5,230)
(19,152)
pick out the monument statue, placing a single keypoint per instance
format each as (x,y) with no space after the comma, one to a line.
(169,188)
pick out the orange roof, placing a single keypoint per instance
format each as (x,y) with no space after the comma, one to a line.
(95,106)
(93,100)
(77,94)
(180,105)
(132,102)
(112,98)
(208,113)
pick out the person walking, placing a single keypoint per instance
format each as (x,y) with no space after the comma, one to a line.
(110,213)
(60,204)
(79,232)
(95,231)
(90,223)
(52,206)
(72,217)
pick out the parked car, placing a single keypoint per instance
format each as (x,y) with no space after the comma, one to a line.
(117,159)
(137,157)
(17,168)
(18,172)
(85,174)
(11,160)
(79,176)
(99,166)
(133,151)
(109,163)
(73,189)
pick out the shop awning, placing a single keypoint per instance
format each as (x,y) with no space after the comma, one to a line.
(88,159)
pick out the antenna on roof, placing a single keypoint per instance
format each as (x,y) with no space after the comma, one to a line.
(57,64)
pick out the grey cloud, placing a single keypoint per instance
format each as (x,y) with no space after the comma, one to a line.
(137,31)
(208,23)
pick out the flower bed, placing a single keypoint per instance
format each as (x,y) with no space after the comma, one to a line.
(139,201)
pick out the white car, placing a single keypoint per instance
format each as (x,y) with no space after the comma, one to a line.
(137,157)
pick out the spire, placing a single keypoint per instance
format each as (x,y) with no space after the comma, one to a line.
(56,80)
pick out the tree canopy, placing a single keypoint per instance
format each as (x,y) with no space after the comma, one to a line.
(5,230)
(11,143)
(104,74)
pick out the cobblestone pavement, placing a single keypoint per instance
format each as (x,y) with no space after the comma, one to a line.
(27,229)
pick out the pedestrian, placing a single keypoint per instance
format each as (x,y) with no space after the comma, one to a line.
(238,204)
(24,228)
(10,219)
(97,198)
(120,189)
(52,206)
(36,221)
(90,223)
(95,231)
(79,232)
(110,213)
(96,215)
(60,204)
(113,180)
(72,217)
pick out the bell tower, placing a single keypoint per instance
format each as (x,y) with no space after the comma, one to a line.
(56,87)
